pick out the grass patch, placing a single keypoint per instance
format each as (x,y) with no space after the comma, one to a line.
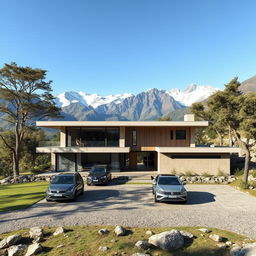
(238,184)
(85,241)
(20,196)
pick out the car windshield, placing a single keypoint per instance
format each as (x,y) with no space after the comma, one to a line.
(98,170)
(63,180)
(168,181)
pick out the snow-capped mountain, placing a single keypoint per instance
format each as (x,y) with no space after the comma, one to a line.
(94,100)
(148,105)
(193,93)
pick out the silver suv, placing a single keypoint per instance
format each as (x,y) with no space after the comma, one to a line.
(168,188)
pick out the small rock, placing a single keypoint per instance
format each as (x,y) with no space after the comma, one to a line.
(144,245)
(169,240)
(9,241)
(228,243)
(34,249)
(149,233)
(222,245)
(204,230)
(103,231)
(120,231)
(35,232)
(113,240)
(216,238)
(16,249)
(186,234)
(103,248)
(60,246)
(58,231)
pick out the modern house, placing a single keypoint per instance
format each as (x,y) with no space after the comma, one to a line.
(163,146)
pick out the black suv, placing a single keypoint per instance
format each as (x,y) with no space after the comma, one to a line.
(99,175)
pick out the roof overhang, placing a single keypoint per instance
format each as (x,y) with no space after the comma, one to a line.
(206,150)
(83,149)
(60,124)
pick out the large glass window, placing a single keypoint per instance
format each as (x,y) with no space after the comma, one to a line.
(112,137)
(66,162)
(180,134)
(93,137)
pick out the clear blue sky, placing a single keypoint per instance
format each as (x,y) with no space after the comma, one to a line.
(116,46)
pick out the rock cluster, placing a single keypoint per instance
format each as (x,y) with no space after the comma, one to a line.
(25,179)
(11,245)
(199,179)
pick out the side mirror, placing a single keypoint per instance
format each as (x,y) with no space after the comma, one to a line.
(184,183)
(152,177)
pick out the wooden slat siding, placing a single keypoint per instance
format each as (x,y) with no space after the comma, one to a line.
(156,137)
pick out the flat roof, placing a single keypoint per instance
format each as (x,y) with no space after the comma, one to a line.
(207,150)
(60,124)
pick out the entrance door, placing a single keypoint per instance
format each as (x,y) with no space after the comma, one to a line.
(146,161)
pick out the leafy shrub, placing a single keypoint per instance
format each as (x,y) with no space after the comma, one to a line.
(206,174)
(188,173)
(242,185)
(239,172)
(253,173)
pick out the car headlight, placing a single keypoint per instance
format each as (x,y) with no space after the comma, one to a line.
(159,190)
(183,191)
(70,189)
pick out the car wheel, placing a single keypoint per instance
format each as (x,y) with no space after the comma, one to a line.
(153,192)
(88,184)
(82,191)
(48,200)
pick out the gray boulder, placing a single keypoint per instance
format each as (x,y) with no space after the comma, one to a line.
(144,245)
(9,241)
(120,231)
(36,232)
(58,231)
(204,230)
(186,234)
(16,249)
(216,238)
(246,250)
(103,248)
(34,249)
(169,240)
(103,231)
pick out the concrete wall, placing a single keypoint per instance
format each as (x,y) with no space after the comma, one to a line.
(212,166)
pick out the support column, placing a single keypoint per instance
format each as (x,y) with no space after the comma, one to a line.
(53,162)
(63,137)
(133,160)
(122,137)
(192,136)
(158,162)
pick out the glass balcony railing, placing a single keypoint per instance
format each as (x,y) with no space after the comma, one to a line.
(49,143)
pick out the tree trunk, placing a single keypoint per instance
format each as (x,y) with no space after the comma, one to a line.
(246,165)
(231,144)
(16,170)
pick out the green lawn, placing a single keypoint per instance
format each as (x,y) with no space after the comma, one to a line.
(19,196)
(85,241)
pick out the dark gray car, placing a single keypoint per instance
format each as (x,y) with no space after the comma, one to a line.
(168,188)
(99,175)
(65,186)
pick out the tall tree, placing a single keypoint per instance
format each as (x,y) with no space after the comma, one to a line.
(236,113)
(24,97)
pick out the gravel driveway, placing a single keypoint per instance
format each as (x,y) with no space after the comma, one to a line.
(217,206)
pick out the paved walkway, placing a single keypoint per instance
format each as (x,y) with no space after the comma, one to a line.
(217,206)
